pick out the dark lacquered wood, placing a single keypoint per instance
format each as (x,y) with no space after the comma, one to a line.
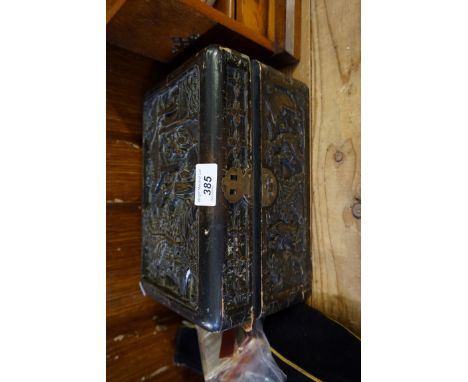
(140,332)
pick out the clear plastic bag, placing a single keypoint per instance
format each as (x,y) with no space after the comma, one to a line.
(238,356)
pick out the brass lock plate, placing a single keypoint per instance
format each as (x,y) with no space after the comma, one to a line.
(237,183)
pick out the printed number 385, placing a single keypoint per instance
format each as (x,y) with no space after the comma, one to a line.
(207,185)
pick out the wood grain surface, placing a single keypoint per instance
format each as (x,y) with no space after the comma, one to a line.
(140,332)
(150,27)
(330,64)
(168,31)
(253,14)
(112,7)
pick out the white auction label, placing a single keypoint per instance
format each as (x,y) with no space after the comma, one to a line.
(206,177)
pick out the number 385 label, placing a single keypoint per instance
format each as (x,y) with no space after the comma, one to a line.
(205,184)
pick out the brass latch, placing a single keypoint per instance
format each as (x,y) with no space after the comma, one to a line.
(237,183)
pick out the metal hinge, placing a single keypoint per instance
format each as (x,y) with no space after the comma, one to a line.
(182,43)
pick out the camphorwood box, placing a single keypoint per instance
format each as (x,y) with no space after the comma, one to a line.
(225,210)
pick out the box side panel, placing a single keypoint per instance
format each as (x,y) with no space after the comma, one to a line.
(170,220)
(285,245)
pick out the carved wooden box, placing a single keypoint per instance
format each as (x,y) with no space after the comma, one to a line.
(225,210)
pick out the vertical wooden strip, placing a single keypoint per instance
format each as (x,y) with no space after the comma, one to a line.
(290,27)
(302,71)
(336,159)
(271,16)
(253,14)
(330,65)
(228,7)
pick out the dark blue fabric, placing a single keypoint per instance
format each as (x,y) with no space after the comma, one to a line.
(315,343)
(305,337)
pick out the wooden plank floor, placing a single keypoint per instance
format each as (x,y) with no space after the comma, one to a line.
(331,65)
(140,332)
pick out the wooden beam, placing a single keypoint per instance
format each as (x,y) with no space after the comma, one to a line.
(330,65)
